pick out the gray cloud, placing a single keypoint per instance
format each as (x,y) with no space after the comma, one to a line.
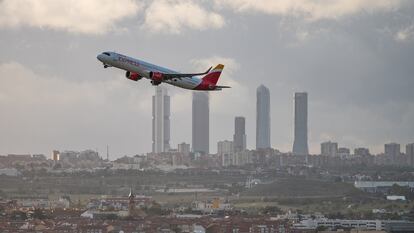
(89,17)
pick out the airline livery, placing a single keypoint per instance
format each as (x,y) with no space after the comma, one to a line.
(137,69)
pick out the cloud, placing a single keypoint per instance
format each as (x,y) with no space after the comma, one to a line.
(230,65)
(75,16)
(43,112)
(173,16)
(309,9)
(405,34)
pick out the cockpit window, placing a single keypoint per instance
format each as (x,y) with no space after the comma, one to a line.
(107,54)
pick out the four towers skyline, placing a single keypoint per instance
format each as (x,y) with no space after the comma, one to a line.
(200,122)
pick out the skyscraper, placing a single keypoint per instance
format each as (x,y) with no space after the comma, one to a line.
(300,143)
(262,118)
(239,137)
(160,120)
(200,122)
(409,151)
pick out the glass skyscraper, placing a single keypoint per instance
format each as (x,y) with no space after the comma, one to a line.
(200,124)
(263,118)
(300,143)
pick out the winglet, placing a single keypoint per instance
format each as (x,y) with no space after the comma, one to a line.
(208,70)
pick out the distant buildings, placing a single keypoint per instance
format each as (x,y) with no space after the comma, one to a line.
(409,151)
(225,147)
(344,152)
(300,144)
(392,152)
(263,118)
(200,124)
(184,148)
(225,150)
(160,120)
(55,155)
(329,149)
(239,137)
(361,151)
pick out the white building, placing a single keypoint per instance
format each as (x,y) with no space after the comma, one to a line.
(371,225)
(9,172)
(225,150)
(375,186)
(211,206)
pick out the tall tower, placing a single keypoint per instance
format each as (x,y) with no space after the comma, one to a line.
(239,137)
(200,124)
(262,118)
(160,120)
(300,144)
(409,151)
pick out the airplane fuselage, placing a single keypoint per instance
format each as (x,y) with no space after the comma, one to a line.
(144,69)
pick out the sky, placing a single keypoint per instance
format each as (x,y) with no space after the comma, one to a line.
(355,58)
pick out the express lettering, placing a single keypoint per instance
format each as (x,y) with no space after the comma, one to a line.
(126,60)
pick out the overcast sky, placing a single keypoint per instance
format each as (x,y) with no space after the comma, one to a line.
(355,58)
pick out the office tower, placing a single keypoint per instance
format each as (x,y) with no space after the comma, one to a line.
(184,148)
(392,151)
(409,151)
(262,118)
(300,143)
(200,122)
(329,148)
(239,137)
(160,120)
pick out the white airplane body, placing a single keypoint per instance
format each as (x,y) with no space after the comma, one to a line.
(137,69)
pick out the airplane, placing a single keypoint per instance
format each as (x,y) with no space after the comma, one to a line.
(138,69)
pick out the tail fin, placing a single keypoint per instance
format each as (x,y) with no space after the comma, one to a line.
(213,76)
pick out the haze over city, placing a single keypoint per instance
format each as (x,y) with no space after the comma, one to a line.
(353,58)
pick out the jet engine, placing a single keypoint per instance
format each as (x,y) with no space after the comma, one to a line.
(157,77)
(133,76)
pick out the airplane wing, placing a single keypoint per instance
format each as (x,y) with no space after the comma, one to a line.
(167,76)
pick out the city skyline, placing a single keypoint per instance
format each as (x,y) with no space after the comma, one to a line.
(353,59)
